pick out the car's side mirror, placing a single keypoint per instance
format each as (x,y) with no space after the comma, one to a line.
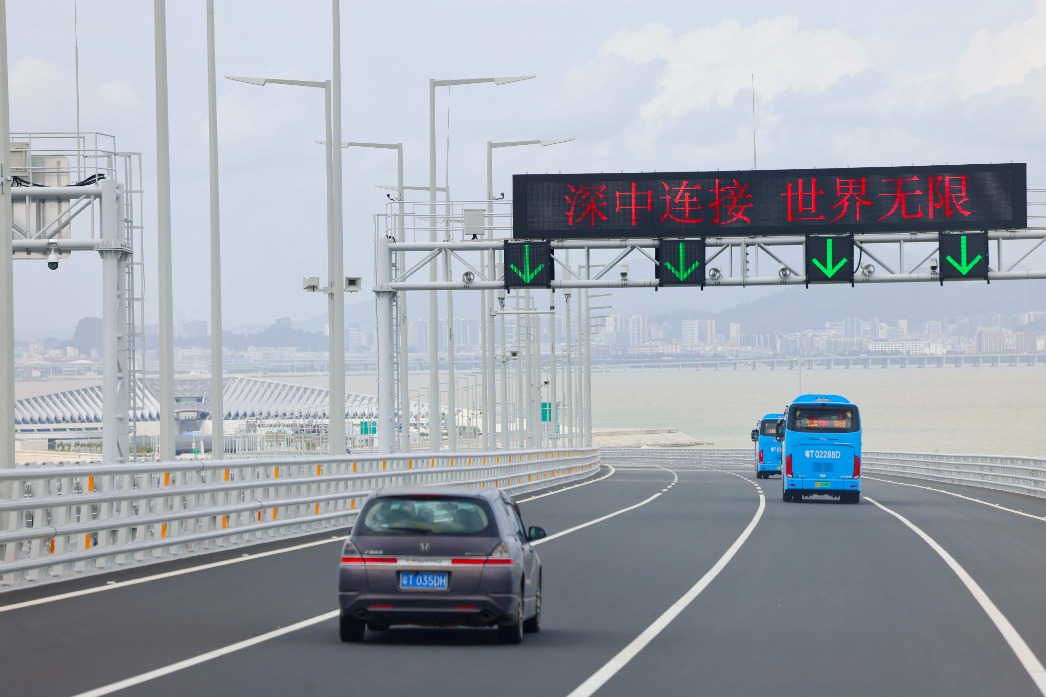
(779,432)
(535,533)
(755,434)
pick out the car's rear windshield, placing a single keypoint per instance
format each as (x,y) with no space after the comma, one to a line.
(768,427)
(823,418)
(426,515)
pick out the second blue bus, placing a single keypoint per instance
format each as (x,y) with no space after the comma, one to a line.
(822,448)
(767,447)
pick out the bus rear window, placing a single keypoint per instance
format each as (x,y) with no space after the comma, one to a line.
(823,419)
(768,427)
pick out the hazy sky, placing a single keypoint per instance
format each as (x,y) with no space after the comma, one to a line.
(640,86)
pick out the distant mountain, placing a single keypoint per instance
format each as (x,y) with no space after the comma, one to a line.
(795,308)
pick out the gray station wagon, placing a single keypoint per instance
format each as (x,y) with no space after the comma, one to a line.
(442,557)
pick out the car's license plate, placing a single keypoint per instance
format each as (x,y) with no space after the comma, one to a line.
(423,581)
(823,484)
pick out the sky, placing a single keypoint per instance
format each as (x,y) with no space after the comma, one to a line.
(639,86)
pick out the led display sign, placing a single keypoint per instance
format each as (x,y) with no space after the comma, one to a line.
(770,202)
(964,256)
(680,262)
(829,259)
(528,265)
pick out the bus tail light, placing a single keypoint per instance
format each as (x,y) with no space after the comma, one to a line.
(857,466)
(788,465)
(760,457)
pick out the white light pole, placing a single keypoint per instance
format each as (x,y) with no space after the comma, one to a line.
(487,297)
(7,323)
(435,440)
(335,267)
(217,384)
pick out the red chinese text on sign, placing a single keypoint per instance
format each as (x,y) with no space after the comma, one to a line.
(850,191)
(947,192)
(681,204)
(802,200)
(633,201)
(730,202)
(586,202)
(900,198)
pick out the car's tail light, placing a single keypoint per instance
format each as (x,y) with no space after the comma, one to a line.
(760,457)
(788,465)
(499,555)
(351,555)
(857,466)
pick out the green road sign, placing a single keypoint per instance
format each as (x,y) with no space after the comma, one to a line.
(829,259)
(964,256)
(528,264)
(546,411)
(368,428)
(680,262)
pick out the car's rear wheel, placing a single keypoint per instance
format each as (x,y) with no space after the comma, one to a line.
(351,628)
(513,633)
(533,625)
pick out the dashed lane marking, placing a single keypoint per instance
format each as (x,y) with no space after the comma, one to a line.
(615,664)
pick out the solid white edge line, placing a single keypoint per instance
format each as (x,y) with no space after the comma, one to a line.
(568,488)
(961,496)
(167,574)
(232,648)
(204,657)
(1017,644)
(226,562)
(615,664)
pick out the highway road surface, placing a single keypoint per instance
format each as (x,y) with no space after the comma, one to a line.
(682,581)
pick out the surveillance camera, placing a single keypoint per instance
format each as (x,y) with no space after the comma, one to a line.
(52,259)
(933,265)
(624,272)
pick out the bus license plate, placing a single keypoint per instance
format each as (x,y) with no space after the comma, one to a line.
(423,581)
(828,484)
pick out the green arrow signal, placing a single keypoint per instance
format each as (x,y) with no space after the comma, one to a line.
(526,274)
(828,270)
(683,270)
(963,268)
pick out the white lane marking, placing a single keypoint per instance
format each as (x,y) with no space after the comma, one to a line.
(1024,653)
(608,516)
(217,653)
(568,488)
(965,498)
(113,585)
(615,664)
(204,657)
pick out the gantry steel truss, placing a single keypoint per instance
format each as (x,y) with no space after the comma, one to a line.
(730,261)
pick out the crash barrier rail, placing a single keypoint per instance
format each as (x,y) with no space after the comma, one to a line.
(1019,475)
(75,519)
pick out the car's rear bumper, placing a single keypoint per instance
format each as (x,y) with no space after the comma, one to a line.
(429,608)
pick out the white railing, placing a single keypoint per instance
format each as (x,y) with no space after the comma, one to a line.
(1020,475)
(84,518)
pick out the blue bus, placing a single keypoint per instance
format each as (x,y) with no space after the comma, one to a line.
(767,447)
(821,436)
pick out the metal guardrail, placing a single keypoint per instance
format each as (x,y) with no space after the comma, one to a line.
(84,518)
(1020,475)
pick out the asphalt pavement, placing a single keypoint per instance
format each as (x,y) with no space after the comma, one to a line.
(821,598)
